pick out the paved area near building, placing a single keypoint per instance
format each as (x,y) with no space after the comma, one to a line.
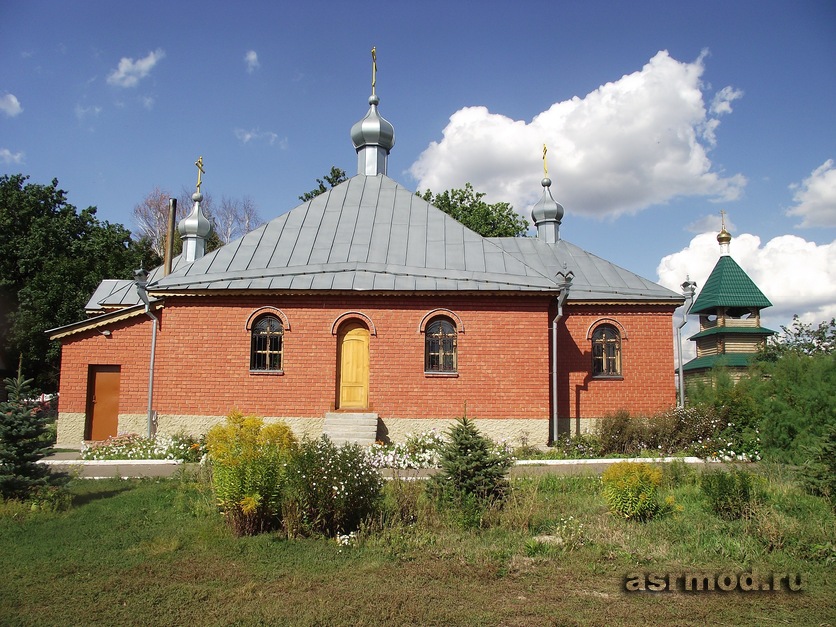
(71,463)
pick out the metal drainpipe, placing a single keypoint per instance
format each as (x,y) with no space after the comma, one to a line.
(564,292)
(141,282)
(688,289)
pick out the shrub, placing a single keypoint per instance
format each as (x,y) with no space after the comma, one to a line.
(248,470)
(23,441)
(630,490)
(819,471)
(581,446)
(728,493)
(473,472)
(330,489)
(680,429)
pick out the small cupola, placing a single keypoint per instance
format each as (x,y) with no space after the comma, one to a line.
(195,227)
(547,213)
(723,237)
(373,136)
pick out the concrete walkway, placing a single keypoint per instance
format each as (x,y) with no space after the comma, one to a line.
(72,464)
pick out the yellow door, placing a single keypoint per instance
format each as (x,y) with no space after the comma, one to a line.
(353,374)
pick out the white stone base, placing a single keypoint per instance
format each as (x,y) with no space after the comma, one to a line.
(516,431)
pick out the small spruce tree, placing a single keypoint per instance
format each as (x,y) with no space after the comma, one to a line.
(472,469)
(23,424)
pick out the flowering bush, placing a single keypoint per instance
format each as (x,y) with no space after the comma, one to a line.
(630,490)
(330,489)
(248,470)
(134,446)
(681,429)
(421,450)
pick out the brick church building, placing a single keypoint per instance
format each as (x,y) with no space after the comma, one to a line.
(367,304)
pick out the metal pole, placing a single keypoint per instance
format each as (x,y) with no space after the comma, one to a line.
(688,289)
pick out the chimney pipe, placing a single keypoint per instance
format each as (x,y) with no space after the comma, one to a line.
(169,236)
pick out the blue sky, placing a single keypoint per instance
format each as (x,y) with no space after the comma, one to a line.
(657,115)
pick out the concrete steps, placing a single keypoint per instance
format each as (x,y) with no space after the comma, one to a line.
(357,427)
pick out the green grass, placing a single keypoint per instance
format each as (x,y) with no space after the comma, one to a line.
(156,552)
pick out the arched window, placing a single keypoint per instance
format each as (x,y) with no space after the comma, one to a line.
(266,345)
(440,346)
(606,352)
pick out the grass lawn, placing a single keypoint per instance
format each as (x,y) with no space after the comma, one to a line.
(156,552)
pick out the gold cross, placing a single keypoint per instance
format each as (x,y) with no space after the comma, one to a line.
(545,165)
(374,68)
(723,218)
(200,170)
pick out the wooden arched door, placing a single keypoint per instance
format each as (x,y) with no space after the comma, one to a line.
(353,366)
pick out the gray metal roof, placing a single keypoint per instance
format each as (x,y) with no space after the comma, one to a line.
(371,234)
(118,293)
(368,233)
(595,278)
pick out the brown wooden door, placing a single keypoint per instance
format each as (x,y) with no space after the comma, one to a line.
(353,363)
(102,402)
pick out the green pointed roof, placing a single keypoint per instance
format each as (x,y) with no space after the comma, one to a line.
(729,286)
(728,360)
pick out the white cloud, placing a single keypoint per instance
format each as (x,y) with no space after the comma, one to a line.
(251,59)
(257,135)
(130,72)
(712,222)
(10,105)
(721,103)
(148,102)
(816,197)
(797,276)
(9,157)
(632,143)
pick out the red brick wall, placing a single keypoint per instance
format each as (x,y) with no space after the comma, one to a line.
(202,362)
(647,361)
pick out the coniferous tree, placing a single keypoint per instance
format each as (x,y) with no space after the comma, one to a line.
(23,425)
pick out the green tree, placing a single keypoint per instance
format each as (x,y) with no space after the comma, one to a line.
(23,425)
(466,206)
(52,257)
(801,339)
(333,178)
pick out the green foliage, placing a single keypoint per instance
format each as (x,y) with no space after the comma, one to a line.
(333,178)
(248,470)
(690,430)
(473,472)
(802,339)
(630,490)
(466,206)
(819,471)
(729,493)
(23,426)
(331,490)
(52,257)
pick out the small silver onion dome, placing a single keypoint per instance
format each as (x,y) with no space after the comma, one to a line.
(373,129)
(547,208)
(195,224)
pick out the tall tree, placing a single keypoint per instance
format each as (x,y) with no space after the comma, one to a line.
(234,218)
(52,257)
(151,218)
(333,178)
(489,220)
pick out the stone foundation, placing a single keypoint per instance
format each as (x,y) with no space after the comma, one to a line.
(516,431)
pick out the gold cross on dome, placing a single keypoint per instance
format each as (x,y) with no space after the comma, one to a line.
(200,171)
(374,67)
(545,165)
